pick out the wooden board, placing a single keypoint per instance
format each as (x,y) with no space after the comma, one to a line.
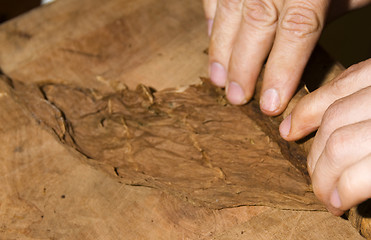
(49,191)
(157,43)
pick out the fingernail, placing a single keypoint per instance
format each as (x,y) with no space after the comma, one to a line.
(218,75)
(335,199)
(210,23)
(270,100)
(285,126)
(235,94)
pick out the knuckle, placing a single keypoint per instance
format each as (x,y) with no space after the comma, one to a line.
(330,116)
(335,147)
(231,5)
(355,73)
(353,68)
(341,84)
(348,183)
(301,21)
(261,12)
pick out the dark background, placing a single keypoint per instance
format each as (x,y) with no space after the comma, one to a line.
(13,8)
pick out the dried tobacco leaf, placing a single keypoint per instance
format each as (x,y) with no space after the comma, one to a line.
(189,143)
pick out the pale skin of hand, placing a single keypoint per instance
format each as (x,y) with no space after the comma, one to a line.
(243,33)
(339,161)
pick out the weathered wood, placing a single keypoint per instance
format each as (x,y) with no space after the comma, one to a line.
(59,193)
(49,190)
(106,45)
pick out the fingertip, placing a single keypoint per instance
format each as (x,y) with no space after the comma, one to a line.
(335,199)
(285,127)
(354,184)
(331,201)
(291,129)
(270,102)
(235,94)
(218,74)
(335,204)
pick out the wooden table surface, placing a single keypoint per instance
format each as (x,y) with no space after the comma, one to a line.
(107,45)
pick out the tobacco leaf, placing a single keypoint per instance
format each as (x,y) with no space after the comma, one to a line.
(188,142)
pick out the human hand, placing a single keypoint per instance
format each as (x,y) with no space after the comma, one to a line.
(244,32)
(339,161)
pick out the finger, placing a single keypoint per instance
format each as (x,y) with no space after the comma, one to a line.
(307,114)
(226,24)
(298,31)
(354,185)
(349,110)
(340,7)
(253,43)
(210,9)
(345,147)
(354,4)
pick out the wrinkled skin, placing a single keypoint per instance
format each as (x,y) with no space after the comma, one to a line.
(244,33)
(339,161)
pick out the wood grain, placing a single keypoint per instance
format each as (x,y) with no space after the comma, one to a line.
(51,191)
(156,43)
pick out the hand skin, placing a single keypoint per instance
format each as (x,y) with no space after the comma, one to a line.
(339,161)
(245,32)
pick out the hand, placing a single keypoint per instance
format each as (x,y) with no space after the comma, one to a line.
(244,32)
(339,161)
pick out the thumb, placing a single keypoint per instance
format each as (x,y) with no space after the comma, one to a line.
(307,115)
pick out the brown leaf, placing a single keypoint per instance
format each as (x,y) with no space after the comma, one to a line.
(189,143)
